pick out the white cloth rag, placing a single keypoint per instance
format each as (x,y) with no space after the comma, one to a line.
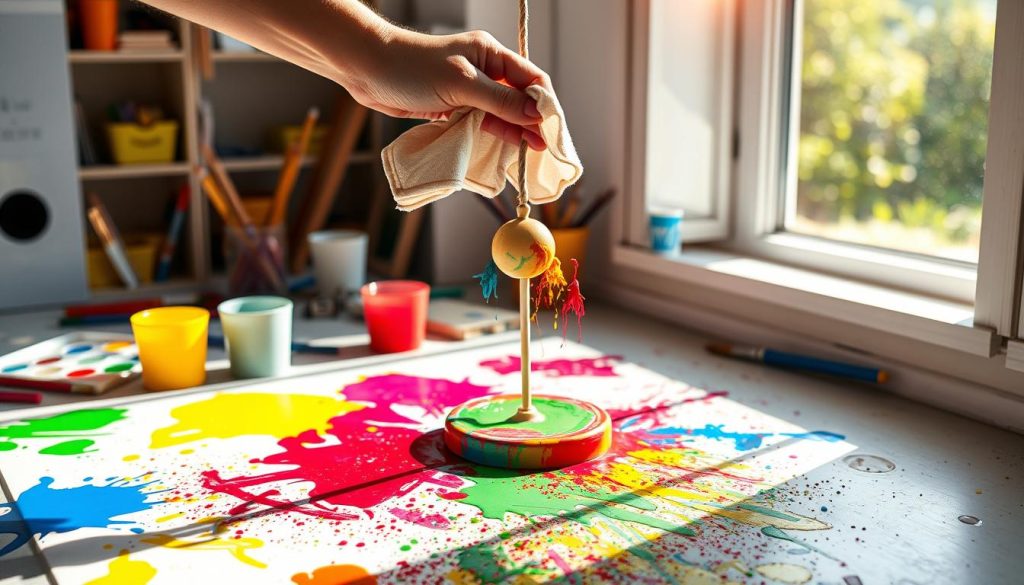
(432,161)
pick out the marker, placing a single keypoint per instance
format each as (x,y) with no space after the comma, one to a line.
(795,361)
(297,346)
(21,397)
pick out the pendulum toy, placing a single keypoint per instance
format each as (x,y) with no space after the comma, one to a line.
(525,431)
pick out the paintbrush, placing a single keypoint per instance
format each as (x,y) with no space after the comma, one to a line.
(794,361)
(290,170)
(591,211)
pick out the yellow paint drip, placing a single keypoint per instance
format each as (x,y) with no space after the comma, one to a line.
(229,415)
(170,517)
(124,571)
(236,546)
(785,572)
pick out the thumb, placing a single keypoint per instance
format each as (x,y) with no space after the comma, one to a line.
(507,103)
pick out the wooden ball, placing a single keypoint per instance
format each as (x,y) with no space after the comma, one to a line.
(523,248)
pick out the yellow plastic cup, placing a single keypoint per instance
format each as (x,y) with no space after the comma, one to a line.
(172,346)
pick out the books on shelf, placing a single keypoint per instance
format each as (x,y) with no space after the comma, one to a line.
(146,41)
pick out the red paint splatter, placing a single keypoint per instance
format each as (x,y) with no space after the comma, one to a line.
(601,367)
(573,302)
(421,518)
(352,470)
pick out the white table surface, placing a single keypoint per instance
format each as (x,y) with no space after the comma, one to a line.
(907,530)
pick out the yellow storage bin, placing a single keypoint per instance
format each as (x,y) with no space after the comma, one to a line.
(285,136)
(142,251)
(135,143)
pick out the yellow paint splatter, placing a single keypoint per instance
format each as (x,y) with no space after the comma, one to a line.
(236,546)
(187,451)
(170,517)
(785,572)
(124,571)
(129,458)
(228,415)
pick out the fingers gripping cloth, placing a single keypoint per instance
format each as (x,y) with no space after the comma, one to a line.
(432,161)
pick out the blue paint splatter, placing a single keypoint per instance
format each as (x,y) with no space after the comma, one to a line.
(42,509)
(489,281)
(743,441)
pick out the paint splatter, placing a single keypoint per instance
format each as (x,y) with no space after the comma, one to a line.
(124,571)
(486,564)
(775,532)
(336,575)
(422,518)
(601,367)
(394,459)
(573,302)
(489,281)
(77,423)
(238,547)
(46,509)
(251,413)
(785,572)
(744,441)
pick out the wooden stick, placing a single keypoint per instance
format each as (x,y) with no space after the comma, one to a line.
(209,185)
(204,47)
(524,343)
(334,159)
(290,170)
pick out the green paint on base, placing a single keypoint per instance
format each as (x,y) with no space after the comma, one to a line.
(498,492)
(76,447)
(560,417)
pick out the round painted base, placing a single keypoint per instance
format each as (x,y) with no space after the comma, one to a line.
(570,431)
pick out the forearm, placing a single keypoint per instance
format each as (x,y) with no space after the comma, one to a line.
(334,38)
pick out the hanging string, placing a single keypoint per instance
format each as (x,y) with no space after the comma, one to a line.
(523,200)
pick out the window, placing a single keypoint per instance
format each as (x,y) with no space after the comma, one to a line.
(892,121)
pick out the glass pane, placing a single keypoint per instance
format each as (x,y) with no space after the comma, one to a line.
(893,123)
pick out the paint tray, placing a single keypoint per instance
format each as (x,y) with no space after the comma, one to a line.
(83,362)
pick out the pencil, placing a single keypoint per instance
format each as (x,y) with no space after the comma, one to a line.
(224,181)
(290,170)
(595,207)
(21,397)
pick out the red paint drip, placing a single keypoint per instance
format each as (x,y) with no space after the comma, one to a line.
(573,302)
(600,367)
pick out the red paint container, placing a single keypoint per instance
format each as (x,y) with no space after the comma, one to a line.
(396,314)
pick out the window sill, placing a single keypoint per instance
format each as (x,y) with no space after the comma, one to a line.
(924,319)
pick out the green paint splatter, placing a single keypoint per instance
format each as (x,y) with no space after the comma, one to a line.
(490,564)
(500,491)
(75,447)
(559,416)
(774,532)
(65,425)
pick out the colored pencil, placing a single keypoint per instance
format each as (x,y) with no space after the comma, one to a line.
(21,397)
(47,385)
(290,170)
(588,214)
(297,346)
(795,361)
(163,269)
(112,244)
(115,308)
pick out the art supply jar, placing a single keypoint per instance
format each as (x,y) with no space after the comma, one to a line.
(339,261)
(99,24)
(172,346)
(257,335)
(666,229)
(396,314)
(254,258)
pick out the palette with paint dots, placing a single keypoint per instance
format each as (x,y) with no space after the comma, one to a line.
(82,362)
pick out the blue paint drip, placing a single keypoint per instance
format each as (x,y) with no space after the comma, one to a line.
(743,441)
(44,510)
(489,281)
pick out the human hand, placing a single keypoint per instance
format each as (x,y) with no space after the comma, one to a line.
(415,75)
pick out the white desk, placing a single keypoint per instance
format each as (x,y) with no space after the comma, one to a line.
(907,529)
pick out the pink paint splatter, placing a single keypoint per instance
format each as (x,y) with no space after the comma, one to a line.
(601,367)
(355,468)
(421,518)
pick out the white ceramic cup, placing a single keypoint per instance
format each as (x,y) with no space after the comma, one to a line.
(257,335)
(339,261)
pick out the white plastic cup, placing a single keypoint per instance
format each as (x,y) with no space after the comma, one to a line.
(339,261)
(257,335)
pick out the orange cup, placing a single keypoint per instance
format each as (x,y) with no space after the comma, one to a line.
(99,24)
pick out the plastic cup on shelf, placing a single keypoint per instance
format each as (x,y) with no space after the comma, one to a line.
(396,314)
(172,346)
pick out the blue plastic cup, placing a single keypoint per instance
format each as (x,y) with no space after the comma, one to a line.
(666,229)
(257,335)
